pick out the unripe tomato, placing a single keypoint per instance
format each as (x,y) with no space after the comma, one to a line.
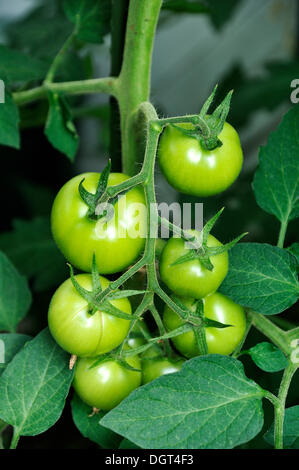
(191,278)
(152,368)
(116,243)
(219,340)
(79,332)
(193,170)
(107,384)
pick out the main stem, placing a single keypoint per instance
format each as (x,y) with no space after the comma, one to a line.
(280,409)
(134,79)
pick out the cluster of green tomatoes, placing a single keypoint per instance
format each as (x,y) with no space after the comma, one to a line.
(103,379)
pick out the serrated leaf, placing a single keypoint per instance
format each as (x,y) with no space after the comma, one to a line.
(34,386)
(268,357)
(262,277)
(209,404)
(12,343)
(290,429)
(276,181)
(31,248)
(60,129)
(15,296)
(89,426)
(91,17)
(9,122)
(20,67)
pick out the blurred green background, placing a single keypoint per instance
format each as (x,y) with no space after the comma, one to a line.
(248,45)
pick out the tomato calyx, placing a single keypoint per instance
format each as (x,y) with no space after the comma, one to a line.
(198,248)
(105,305)
(100,204)
(207,127)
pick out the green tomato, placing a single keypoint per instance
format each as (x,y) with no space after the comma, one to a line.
(192,170)
(107,384)
(219,340)
(191,279)
(152,368)
(116,243)
(79,332)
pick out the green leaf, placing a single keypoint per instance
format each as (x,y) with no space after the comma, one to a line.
(262,277)
(42,31)
(186,6)
(91,17)
(276,181)
(60,129)
(31,248)
(20,67)
(125,444)
(268,357)
(9,122)
(34,386)
(290,429)
(209,404)
(89,426)
(218,13)
(294,250)
(15,296)
(12,343)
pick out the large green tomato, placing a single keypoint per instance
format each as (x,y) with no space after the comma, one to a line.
(191,278)
(152,368)
(192,170)
(116,243)
(219,340)
(107,384)
(79,332)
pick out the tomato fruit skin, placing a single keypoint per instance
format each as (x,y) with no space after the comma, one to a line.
(78,332)
(152,368)
(78,237)
(192,170)
(191,278)
(107,384)
(219,341)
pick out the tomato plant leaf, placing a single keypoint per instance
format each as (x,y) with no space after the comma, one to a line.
(31,248)
(9,122)
(290,429)
(15,296)
(34,386)
(268,357)
(276,181)
(20,67)
(12,343)
(210,403)
(60,129)
(262,277)
(294,249)
(91,17)
(89,425)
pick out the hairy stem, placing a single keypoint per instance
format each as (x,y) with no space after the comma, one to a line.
(79,87)
(282,233)
(134,79)
(271,331)
(280,408)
